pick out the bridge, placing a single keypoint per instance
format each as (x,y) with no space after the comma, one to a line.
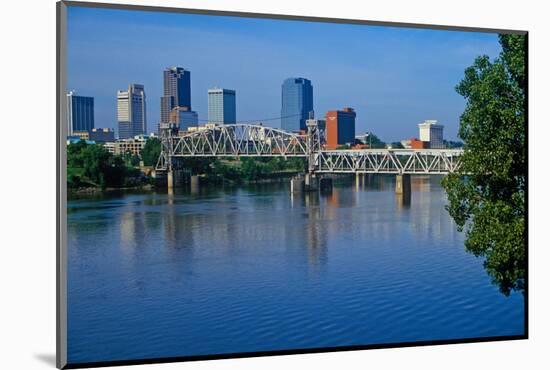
(256,140)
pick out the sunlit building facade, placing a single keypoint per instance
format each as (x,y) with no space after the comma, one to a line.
(296,103)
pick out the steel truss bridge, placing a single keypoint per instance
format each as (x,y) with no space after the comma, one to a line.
(255,140)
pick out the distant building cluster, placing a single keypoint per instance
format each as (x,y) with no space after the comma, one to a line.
(337,127)
(98,135)
(184,117)
(132,146)
(430,135)
(431,132)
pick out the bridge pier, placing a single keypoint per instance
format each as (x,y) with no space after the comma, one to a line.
(173,178)
(359,180)
(176,178)
(311,182)
(403,185)
(194,184)
(297,184)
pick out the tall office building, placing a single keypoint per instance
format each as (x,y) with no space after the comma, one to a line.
(430,131)
(222,107)
(340,127)
(184,117)
(131,113)
(296,103)
(177,91)
(80,113)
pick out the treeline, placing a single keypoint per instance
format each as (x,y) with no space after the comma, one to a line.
(231,169)
(91,165)
(244,169)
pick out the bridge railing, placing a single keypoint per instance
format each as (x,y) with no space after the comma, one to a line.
(396,161)
(247,140)
(239,140)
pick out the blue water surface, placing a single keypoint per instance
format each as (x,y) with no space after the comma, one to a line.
(240,269)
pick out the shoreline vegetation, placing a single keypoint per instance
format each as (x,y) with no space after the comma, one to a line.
(92,169)
(489,204)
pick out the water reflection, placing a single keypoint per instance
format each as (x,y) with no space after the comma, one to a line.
(231,267)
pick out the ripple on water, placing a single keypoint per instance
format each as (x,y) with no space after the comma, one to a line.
(246,270)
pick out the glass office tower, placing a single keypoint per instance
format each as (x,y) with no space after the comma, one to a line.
(222,107)
(80,113)
(177,91)
(296,103)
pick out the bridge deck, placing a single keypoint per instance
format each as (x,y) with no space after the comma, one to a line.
(244,140)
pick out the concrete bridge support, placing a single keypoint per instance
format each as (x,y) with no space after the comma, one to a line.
(359,180)
(194,184)
(297,184)
(403,184)
(177,178)
(311,182)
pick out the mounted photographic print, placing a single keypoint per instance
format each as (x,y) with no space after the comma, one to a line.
(234,184)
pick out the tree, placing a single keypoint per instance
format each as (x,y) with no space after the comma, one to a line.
(74,154)
(95,162)
(252,169)
(487,198)
(151,151)
(93,165)
(374,142)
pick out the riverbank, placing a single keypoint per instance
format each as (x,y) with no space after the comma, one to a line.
(205,179)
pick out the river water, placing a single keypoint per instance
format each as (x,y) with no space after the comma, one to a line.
(253,268)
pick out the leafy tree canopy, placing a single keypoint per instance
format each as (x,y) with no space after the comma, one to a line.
(487,198)
(151,151)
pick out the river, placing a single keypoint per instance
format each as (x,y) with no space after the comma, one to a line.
(254,268)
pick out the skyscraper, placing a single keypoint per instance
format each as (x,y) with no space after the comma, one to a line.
(80,113)
(222,106)
(430,131)
(177,91)
(184,118)
(131,113)
(340,127)
(296,103)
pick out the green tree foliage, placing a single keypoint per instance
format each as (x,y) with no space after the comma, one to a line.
(151,151)
(374,142)
(95,160)
(198,165)
(252,169)
(488,198)
(453,144)
(92,165)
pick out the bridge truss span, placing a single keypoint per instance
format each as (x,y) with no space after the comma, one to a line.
(255,140)
(389,161)
(239,140)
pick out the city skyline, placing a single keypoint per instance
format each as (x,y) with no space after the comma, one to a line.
(394,78)
(131,111)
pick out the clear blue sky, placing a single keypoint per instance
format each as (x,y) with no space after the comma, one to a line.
(394,77)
